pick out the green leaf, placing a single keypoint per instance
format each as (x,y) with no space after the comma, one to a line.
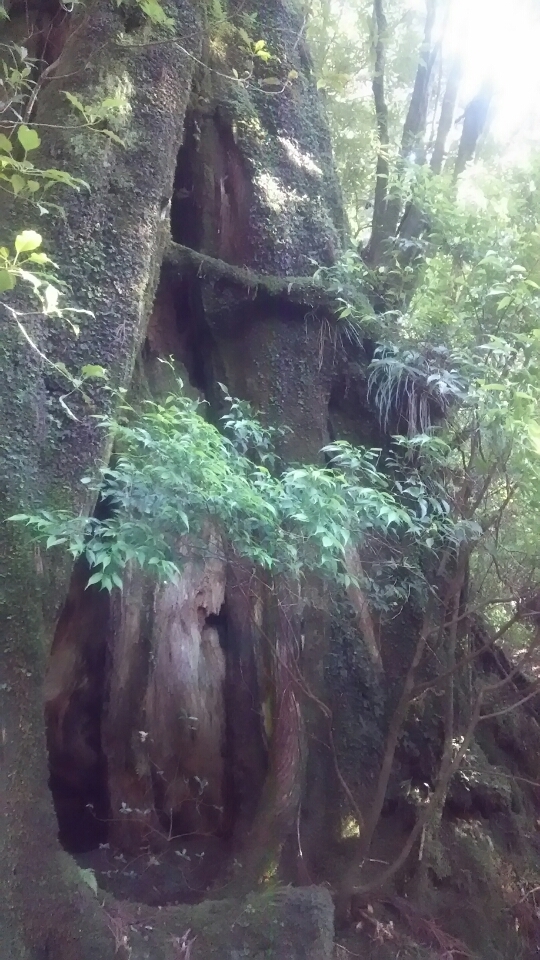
(114,137)
(155,12)
(28,138)
(89,877)
(244,35)
(95,578)
(6,145)
(27,240)
(17,184)
(75,102)
(7,281)
(53,541)
(92,371)
(61,367)
(504,303)
(40,258)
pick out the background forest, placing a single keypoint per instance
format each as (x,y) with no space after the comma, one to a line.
(269,479)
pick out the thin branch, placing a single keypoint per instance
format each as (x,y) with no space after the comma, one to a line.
(512,706)
(394,731)
(433,684)
(429,807)
(360,603)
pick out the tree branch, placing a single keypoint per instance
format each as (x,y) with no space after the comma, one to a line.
(180,261)
(487,645)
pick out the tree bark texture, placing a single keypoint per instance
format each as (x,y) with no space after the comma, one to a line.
(264,196)
(108,245)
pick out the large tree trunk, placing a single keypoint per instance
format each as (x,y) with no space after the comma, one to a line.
(109,247)
(256,166)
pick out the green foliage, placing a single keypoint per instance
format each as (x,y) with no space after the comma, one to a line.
(89,877)
(417,387)
(23,263)
(29,265)
(18,172)
(458,370)
(234,37)
(21,175)
(353,285)
(175,476)
(33,269)
(99,116)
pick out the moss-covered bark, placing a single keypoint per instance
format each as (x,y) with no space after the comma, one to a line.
(263,199)
(266,202)
(263,177)
(108,246)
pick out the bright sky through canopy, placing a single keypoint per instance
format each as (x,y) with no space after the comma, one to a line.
(500,40)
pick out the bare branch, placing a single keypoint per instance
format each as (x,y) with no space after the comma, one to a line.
(431,806)
(361,605)
(512,706)
(395,728)
(487,645)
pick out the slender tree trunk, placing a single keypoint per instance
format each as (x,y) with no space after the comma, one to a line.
(475,119)
(388,206)
(446,117)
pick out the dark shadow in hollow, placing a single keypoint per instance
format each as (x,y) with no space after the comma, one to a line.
(74,690)
(186,225)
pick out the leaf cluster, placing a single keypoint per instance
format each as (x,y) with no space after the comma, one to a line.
(175,476)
